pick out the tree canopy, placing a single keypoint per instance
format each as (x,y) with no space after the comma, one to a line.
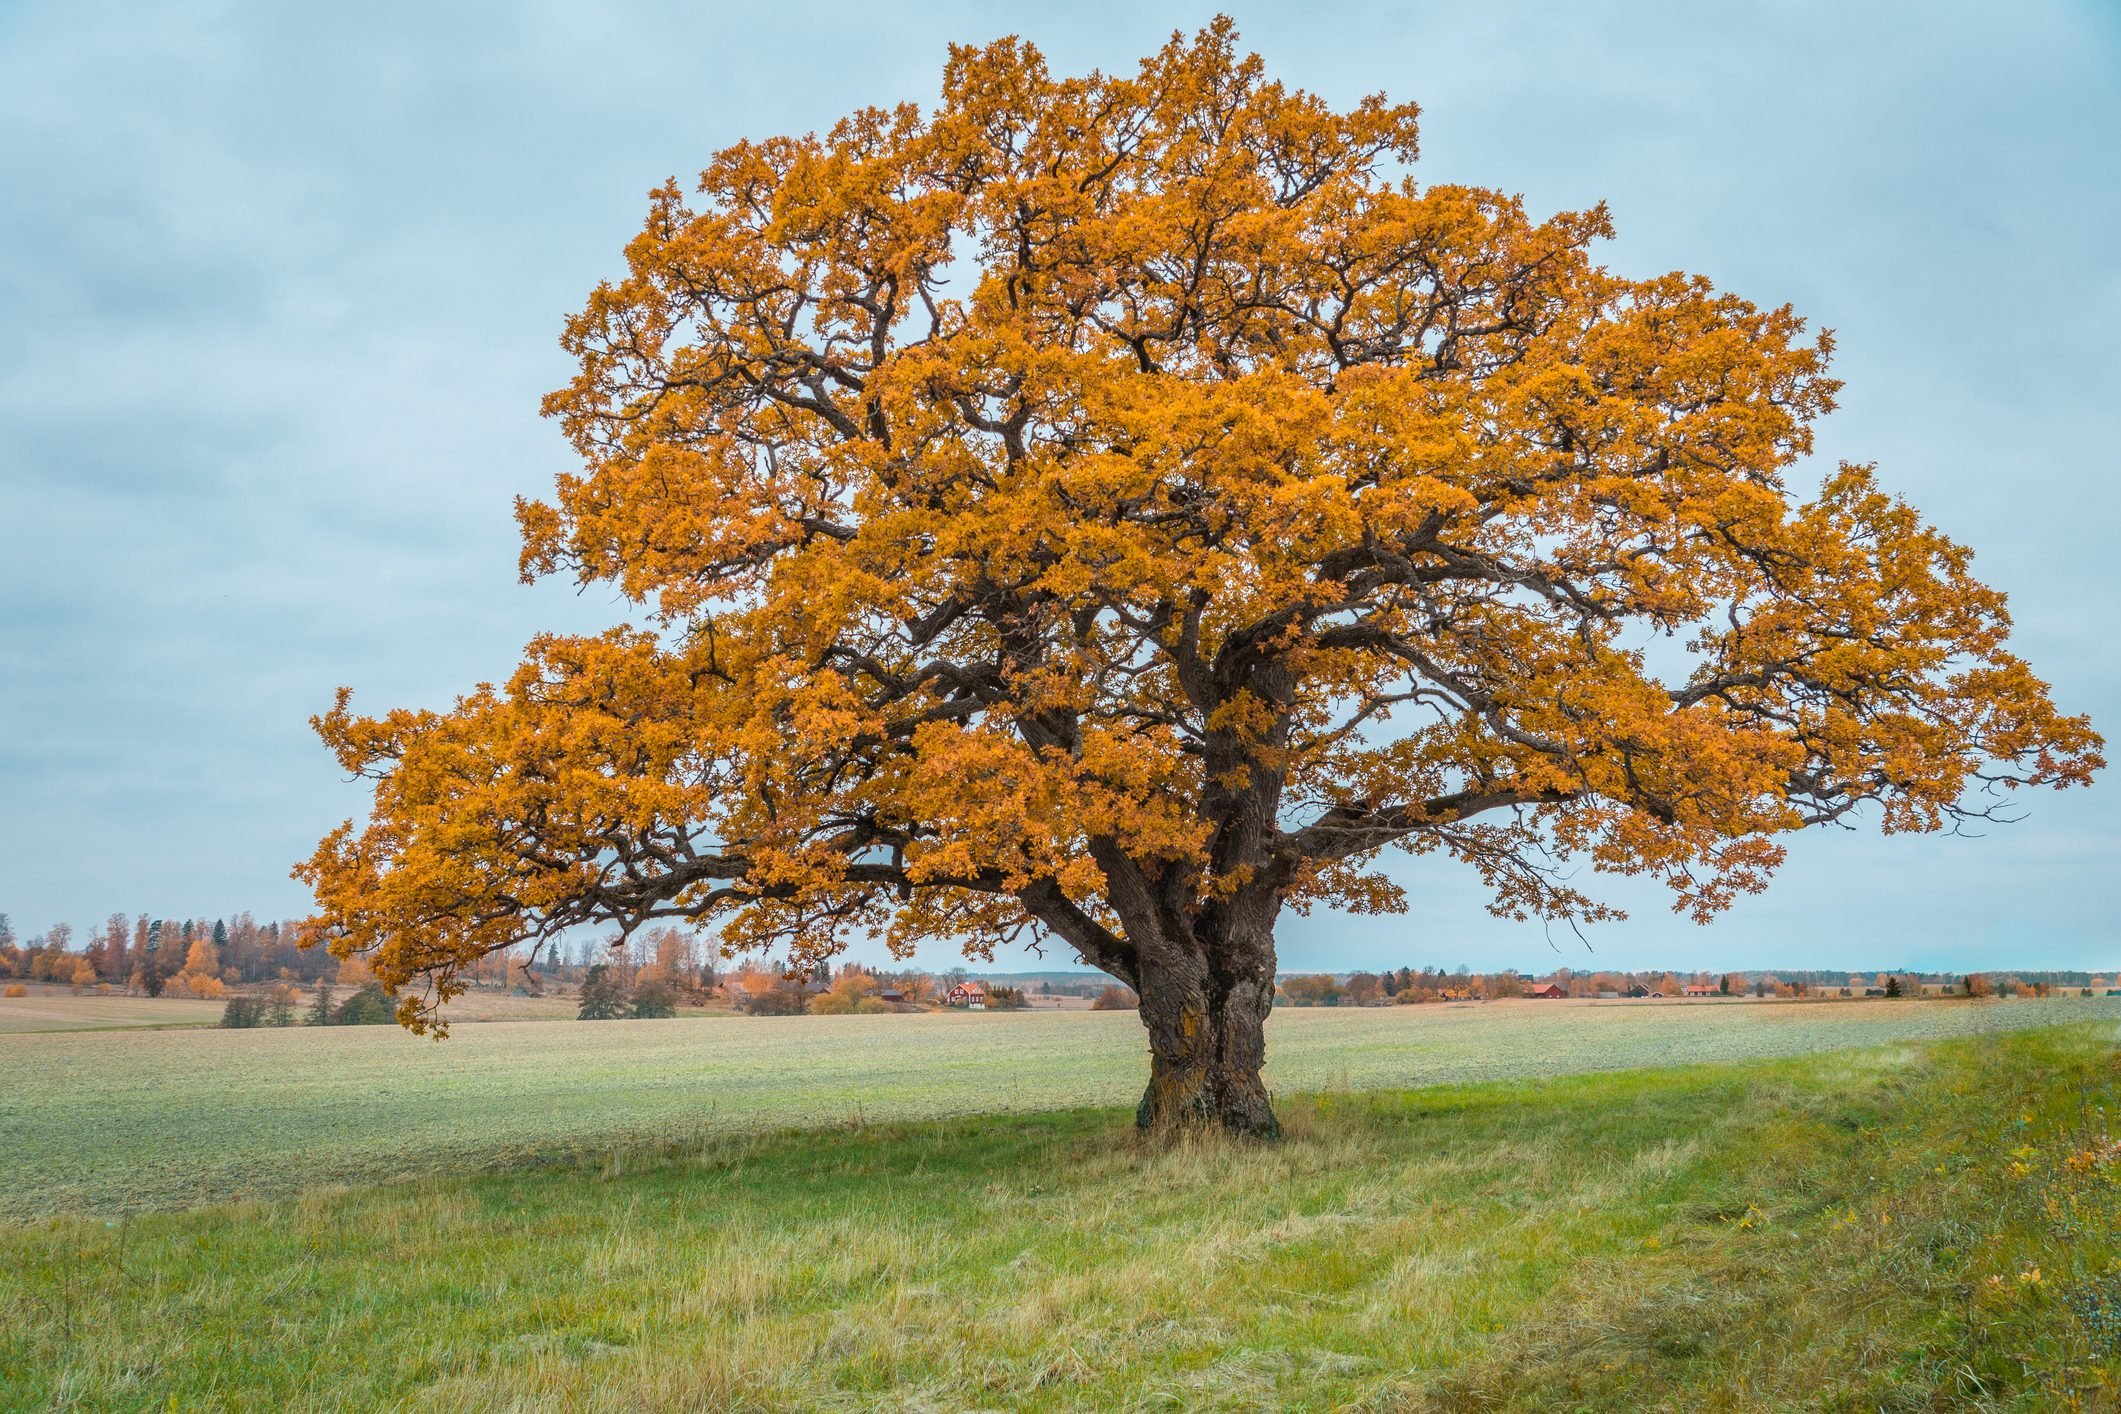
(1116,508)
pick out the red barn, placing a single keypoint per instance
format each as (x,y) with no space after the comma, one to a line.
(968,994)
(1546,989)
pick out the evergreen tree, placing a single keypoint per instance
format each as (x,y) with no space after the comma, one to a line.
(366,1007)
(654,999)
(154,970)
(319,1013)
(604,996)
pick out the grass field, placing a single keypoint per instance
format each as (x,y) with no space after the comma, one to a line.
(118,1121)
(58,1009)
(1912,1226)
(55,1009)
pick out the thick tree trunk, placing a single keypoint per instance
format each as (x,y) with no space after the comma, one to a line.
(1207,1043)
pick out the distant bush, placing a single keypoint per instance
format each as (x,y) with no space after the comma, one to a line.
(201,985)
(1115,998)
(846,995)
(243,1012)
(779,1000)
(1006,999)
(274,1008)
(1319,990)
(606,997)
(366,1007)
(15,989)
(654,1000)
(279,1006)
(877,1006)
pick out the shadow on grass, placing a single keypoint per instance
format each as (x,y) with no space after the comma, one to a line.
(1810,1233)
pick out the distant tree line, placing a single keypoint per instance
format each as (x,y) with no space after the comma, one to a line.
(147,955)
(1406,985)
(657,971)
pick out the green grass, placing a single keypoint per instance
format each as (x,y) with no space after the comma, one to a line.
(1855,1230)
(115,1122)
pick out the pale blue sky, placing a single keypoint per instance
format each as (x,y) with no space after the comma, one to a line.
(280,286)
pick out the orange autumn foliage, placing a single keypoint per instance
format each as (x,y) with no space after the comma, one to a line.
(1119,508)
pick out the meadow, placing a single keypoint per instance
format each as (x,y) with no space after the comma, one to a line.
(56,1009)
(49,1008)
(1915,1225)
(121,1121)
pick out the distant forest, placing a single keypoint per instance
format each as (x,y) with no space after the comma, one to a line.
(205,956)
(193,956)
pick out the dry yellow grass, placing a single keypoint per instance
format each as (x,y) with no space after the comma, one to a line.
(57,1009)
(48,1008)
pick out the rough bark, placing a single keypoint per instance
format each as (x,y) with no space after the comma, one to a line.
(1207,1045)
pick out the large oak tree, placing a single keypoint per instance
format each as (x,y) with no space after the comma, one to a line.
(1120,509)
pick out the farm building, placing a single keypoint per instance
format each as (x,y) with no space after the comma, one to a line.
(1637,991)
(1701,989)
(968,994)
(1546,989)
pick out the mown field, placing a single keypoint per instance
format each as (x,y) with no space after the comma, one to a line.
(115,1121)
(56,1009)
(1923,1225)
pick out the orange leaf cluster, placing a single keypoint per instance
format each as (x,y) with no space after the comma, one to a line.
(1121,506)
